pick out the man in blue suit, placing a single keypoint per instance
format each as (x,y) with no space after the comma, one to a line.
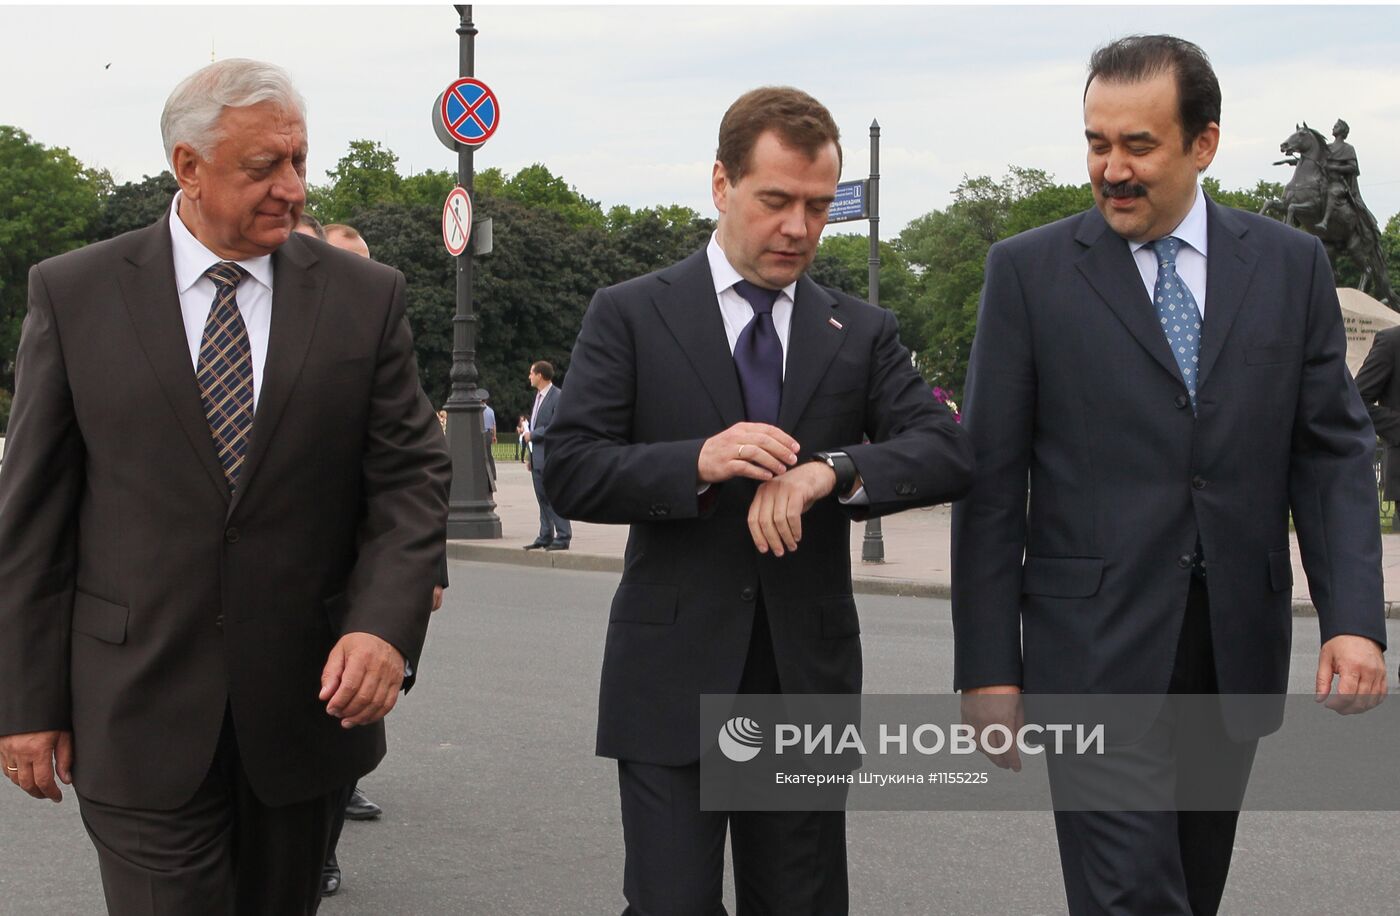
(1168,376)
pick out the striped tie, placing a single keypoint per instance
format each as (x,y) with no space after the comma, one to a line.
(225,371)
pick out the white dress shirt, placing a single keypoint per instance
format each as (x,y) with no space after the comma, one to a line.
(192,259)
(1190,260)
(735,309)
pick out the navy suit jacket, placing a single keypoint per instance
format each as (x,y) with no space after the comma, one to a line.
(650,379)
(1081,586)
(539,430)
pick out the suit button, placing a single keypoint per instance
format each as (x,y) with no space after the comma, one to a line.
(746,594)
(1184,561)
(219,622)
(1181,401)
(1198,482)
(231,535)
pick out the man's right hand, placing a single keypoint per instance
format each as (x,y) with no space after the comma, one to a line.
(32,760)
(754,450)
(998,704)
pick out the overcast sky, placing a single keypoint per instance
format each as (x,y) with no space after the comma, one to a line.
(624,101)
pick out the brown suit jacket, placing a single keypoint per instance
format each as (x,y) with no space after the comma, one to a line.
(139,601)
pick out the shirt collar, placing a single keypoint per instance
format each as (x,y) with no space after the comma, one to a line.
(192,258)
(1192,230)
(724,274)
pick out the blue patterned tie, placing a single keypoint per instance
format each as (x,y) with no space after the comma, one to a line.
(225,371)
(1176,307)
(758,355)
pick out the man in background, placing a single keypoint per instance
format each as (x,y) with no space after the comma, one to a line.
(347,238)
(488,428)
(555,530)
(1379,384)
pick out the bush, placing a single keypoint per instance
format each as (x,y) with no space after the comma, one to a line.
(4,410)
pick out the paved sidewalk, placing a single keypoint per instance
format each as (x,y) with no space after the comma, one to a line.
(916,545)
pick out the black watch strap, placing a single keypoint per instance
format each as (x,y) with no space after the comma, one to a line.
(843,466)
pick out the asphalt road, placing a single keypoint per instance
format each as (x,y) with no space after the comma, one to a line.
(496,806)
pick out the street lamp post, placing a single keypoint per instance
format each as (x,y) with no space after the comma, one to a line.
(471,512)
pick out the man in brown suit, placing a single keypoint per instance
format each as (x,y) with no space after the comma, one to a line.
(221,515)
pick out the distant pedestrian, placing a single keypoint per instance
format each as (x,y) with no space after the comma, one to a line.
(555,531)
(488,429)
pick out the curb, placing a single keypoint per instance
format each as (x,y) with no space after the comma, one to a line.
(861,585)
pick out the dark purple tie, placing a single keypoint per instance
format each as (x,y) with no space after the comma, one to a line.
(758,355)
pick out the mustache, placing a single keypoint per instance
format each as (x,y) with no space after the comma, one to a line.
(1122,189)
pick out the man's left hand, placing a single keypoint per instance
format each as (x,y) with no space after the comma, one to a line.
(775,515)
(361,679)
(1360,669)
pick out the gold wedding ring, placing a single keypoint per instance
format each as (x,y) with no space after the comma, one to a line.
(741,451)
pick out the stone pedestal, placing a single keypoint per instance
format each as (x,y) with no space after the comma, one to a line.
(1363,316)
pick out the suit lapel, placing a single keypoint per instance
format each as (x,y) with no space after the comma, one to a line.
(1109,267)
(690,310)
(1229,269)
(147,282)
(296,303)
(812,342)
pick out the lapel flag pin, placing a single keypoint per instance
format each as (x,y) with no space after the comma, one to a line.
(835,324)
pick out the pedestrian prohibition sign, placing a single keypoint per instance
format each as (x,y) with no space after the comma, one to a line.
(456,221)
(470,112)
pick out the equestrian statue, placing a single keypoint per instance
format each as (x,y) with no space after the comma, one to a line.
(1324,198)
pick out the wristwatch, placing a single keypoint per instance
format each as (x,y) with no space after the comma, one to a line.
(843,466)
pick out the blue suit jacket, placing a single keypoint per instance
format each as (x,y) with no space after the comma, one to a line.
(1072,390)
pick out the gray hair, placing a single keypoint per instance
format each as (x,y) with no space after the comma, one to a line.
(192,112)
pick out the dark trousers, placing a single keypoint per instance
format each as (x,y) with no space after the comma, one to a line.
(785,862)
(338,822)
(1163,862)
(553,526)
(222,853)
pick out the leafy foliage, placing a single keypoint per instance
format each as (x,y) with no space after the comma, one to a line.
(49,204)
(135,205)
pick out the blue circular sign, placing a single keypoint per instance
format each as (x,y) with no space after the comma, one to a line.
(470,111)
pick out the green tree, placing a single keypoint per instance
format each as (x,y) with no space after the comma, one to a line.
(135,205)
(947,249)
(364,176)
(4,411)
(640,241)
(1252,200)
(536,186)
(843,262)
(429,188)
(49,204)
(529,294)
(1390,247)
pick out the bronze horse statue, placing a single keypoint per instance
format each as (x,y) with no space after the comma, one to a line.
(1349,229)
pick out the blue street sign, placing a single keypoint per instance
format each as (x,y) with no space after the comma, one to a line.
(470,112)
(849,203)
